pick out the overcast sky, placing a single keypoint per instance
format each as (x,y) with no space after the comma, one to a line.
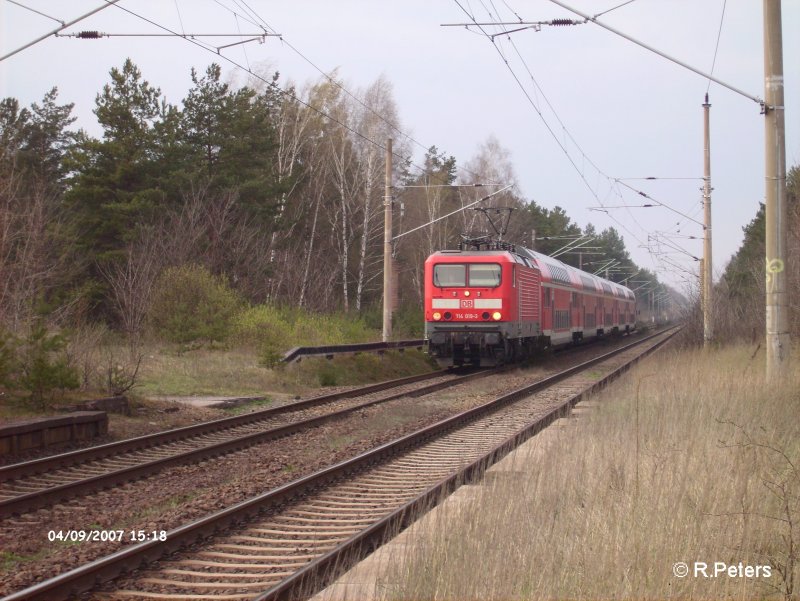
(582,111)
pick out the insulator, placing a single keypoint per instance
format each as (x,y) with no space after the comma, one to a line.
(559,22)
(89,35)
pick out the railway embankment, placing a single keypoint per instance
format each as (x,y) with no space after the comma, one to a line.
(681,480)
(192,491)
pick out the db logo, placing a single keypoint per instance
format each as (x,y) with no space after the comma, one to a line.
(467,304)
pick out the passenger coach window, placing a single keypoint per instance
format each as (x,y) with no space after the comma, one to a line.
(483,275)
(445,275)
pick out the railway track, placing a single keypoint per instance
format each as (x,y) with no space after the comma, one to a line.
(293,540)
(39,483)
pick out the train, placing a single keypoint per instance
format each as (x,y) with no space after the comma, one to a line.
(489,302)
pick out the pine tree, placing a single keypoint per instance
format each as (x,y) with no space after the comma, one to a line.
(117,184)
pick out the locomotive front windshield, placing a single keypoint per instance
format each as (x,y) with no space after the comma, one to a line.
(484,275)
(478,275)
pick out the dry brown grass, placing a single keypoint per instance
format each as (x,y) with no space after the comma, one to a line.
(692,457)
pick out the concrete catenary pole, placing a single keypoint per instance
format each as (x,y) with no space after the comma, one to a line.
(777,318)
(708,283)
(703,292)
(387,247)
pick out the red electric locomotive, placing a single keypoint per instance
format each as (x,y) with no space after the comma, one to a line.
(491,302)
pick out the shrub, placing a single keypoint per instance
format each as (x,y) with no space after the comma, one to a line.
(327,375)
(266,328)
(38,364)
(275,330)
(409,322)
(8,345)
(192,305)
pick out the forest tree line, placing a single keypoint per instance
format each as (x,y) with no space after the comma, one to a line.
(243,203)
(275,190)
(739,311)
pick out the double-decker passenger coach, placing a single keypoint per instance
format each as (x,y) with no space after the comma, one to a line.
(489,302)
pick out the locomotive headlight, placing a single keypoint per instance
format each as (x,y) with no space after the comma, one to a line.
(496,316)
(437,316)
(466,292)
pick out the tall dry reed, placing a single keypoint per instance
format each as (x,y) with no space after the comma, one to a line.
(691,457)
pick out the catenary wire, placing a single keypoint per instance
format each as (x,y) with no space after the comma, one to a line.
(544,121)
(566,131)
(614,8)
(614,181)
(716,46)
(661,54)
(55,31)
(33,10)
(261,22)
(268,83)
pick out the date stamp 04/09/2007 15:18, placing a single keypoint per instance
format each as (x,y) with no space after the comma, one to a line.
(84,536)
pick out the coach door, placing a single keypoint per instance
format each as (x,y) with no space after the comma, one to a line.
(547,308)
(523,310)
(598,313)
(575,321)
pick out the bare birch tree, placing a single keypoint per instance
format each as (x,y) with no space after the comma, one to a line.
(376,121)
(131,283)
(491,165)
(32,264)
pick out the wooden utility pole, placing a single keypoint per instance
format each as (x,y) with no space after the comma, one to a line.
(708,282)
(777,318)
(387,247)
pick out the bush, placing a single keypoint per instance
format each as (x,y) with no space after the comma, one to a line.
(275,330)
(266,328)
(37,364)
(192,305)
(8,345)
(409,322)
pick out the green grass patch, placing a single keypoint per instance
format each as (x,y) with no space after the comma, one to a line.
(9,560)
(234,372)
(250,406)
(237,372)
(249,364)
(363,368)
(156,510)
(336,443)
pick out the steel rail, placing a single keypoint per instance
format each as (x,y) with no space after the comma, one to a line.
(47,496)
(38,466)
(325,568)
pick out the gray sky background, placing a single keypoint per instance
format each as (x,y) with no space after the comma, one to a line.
(615,110)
